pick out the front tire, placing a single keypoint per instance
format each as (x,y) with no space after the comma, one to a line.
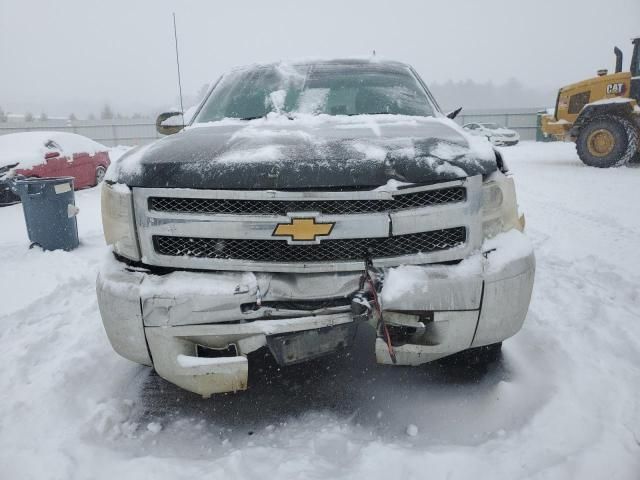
(607,141)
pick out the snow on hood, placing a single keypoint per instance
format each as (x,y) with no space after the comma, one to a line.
(27,149)
(308,151)
(506,248)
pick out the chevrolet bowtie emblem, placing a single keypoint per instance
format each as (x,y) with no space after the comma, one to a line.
(303,229)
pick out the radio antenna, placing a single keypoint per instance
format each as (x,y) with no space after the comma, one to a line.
(175,36)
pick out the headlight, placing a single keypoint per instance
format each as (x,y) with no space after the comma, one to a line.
(117,220)
(499,206)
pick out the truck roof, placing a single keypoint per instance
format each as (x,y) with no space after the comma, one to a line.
(372,60)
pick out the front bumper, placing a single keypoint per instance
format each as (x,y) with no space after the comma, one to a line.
(166,321)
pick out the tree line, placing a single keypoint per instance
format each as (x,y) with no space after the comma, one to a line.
(107,113)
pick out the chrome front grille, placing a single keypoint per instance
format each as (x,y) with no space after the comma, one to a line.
(352,249)
(328,207)
(234,230)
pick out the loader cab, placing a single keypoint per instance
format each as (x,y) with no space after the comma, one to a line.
(635,71)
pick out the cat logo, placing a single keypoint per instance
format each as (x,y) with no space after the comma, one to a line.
(303,229)
(615,89)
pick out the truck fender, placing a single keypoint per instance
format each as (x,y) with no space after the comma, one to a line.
(623,109)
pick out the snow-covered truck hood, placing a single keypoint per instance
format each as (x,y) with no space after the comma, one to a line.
(306,153)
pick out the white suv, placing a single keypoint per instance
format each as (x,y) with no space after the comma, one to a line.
(495,133)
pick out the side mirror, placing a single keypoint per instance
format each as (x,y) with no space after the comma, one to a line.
(169,123)
(454,113)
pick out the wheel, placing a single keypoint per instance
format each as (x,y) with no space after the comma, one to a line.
(607,141)
(100,172)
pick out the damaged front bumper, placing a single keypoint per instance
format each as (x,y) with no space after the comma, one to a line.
(196,328)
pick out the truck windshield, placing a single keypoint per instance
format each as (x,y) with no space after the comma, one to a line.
(333,89)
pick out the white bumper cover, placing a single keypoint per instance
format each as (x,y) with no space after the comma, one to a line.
(160,320)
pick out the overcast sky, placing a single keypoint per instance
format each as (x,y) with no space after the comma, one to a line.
(60,55)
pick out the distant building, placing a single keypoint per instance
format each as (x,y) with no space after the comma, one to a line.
(15,117)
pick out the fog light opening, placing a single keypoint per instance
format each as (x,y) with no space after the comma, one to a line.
(207,352)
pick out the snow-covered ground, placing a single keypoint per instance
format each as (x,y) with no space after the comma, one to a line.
(564,401)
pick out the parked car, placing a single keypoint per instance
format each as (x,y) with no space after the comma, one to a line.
(304,201)
(50,154)
(495,133)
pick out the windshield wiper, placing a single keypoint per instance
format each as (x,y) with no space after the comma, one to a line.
(371,113)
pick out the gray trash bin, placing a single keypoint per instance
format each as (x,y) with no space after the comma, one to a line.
(49,211)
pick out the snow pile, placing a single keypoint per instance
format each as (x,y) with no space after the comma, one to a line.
(505,248)
(561,403)
(404,280)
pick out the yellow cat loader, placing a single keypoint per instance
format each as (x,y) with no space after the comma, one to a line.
(601,115)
